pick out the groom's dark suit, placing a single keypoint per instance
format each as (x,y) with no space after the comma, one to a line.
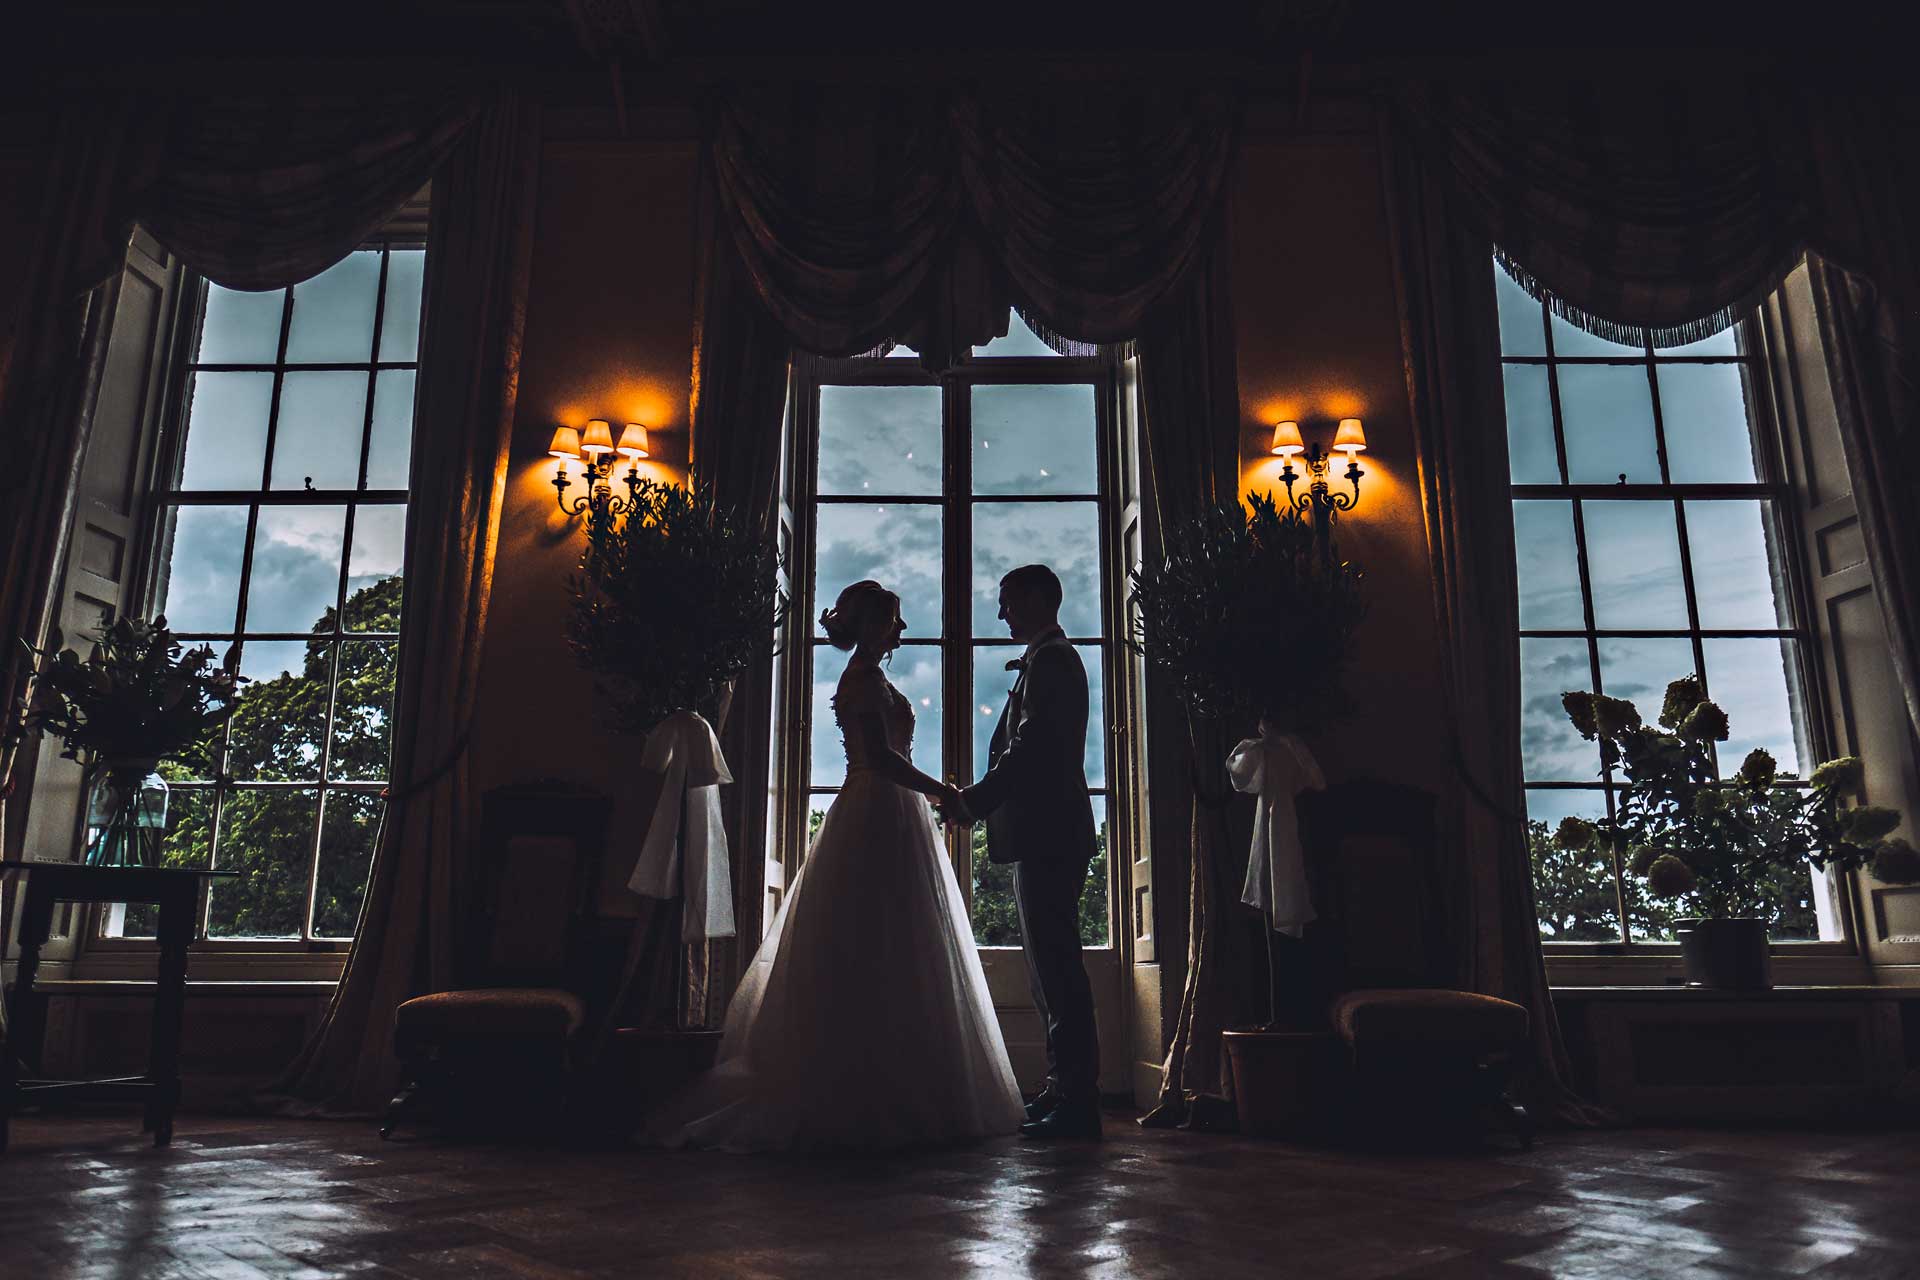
(1038,815)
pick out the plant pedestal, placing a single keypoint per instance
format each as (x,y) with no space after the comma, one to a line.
(1279,1079)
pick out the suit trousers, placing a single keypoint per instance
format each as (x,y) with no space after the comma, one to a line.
(1047,892)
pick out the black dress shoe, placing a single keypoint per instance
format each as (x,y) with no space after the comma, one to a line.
(1043,1106)
(1075,1123)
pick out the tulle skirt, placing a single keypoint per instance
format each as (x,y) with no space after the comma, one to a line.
(864,1022)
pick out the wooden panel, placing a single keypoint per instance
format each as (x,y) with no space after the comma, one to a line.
(1842,547)
(1896,913)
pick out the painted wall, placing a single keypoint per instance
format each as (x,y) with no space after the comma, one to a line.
(608,335)
(1319,340)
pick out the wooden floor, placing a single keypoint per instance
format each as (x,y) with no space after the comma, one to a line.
(242,1198)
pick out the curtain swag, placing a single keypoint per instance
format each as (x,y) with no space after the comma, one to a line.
(923,223)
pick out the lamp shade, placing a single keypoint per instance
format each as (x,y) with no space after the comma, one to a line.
(1286,439)
(566,443)
(633,441)
(1350,437)
(599,437)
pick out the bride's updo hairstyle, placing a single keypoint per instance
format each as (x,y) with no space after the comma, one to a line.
(854,615)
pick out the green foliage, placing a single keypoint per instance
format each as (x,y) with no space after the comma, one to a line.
(136,696)
(277,734)
(1251,614)
(1572,890)
(1718,848)
(671,603)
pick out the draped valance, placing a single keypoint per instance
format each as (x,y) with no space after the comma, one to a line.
(923,221)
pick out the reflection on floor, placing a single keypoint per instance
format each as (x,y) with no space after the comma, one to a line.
(239,1198)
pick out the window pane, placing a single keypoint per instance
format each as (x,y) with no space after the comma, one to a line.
(1751,680)
(901,350)
(1703,409)
(1633,562)
(199,761)
(914,671)
(1570,340)
(1551,747)
(347,833)
(373,568)
(1521,333)
(400,330)
(363,711)
(1639,669)
(1549,566)
(267,836)
(880,440)
(278,728)
(1034,440)
(296,568)
(1019,340)
(226,430)
(996,919)
(1530,450)
(896,546)
(322,419)
(991,683)
(1095,914)
(1572,890)
(333,312)
(1733,578)
(1064,536)
(240,328)
(1723,343)
(390,453)
(1607,410)
(200,590)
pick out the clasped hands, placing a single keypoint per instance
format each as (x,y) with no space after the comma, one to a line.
(952,807)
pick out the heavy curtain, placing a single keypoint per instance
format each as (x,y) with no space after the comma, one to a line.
(1679,209)
(479,243)
(1189,387)
(1450,340)
(838,227)
(924,221)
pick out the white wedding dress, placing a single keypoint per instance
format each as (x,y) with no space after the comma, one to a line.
(864,1021)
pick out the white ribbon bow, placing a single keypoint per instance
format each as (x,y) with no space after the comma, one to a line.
(1276,767)
(685,751)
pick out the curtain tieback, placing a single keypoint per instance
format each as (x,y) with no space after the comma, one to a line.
(1275,768)
(441,768)
(684,851)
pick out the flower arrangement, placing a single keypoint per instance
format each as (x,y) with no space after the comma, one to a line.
(137,696)
(671,603)
(1251,613)
(1693,837)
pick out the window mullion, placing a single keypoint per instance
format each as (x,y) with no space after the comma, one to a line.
(957,604)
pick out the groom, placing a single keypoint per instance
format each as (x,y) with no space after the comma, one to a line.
(1038,815)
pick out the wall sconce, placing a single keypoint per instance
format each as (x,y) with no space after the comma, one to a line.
(1349,439)
(597,450)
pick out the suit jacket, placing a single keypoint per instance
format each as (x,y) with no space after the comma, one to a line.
(1034,795)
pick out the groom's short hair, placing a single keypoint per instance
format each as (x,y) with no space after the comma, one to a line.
(1034,582)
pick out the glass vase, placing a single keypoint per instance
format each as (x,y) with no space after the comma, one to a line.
(126,815)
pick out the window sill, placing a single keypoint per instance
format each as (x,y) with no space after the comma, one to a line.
(212,967)
(1814,964)
(240,988)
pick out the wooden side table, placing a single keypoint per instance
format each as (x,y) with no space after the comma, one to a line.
(178,895)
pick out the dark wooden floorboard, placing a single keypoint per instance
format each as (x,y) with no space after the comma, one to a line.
(85,1198)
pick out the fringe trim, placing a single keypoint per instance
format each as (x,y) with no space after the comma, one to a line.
(1634,335)
(1059,342)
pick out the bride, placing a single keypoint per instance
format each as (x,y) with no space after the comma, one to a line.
(864,1021)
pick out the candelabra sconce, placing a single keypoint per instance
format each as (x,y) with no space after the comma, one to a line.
(596,449)
(1319,500)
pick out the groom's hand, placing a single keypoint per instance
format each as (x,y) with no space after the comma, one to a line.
(951,808)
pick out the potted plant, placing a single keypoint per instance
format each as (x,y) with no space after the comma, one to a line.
(670,604)
(1709,844)
(1251,616)
(137,698)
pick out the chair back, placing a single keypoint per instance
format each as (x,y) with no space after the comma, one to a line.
(540,849)
(1373,863)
